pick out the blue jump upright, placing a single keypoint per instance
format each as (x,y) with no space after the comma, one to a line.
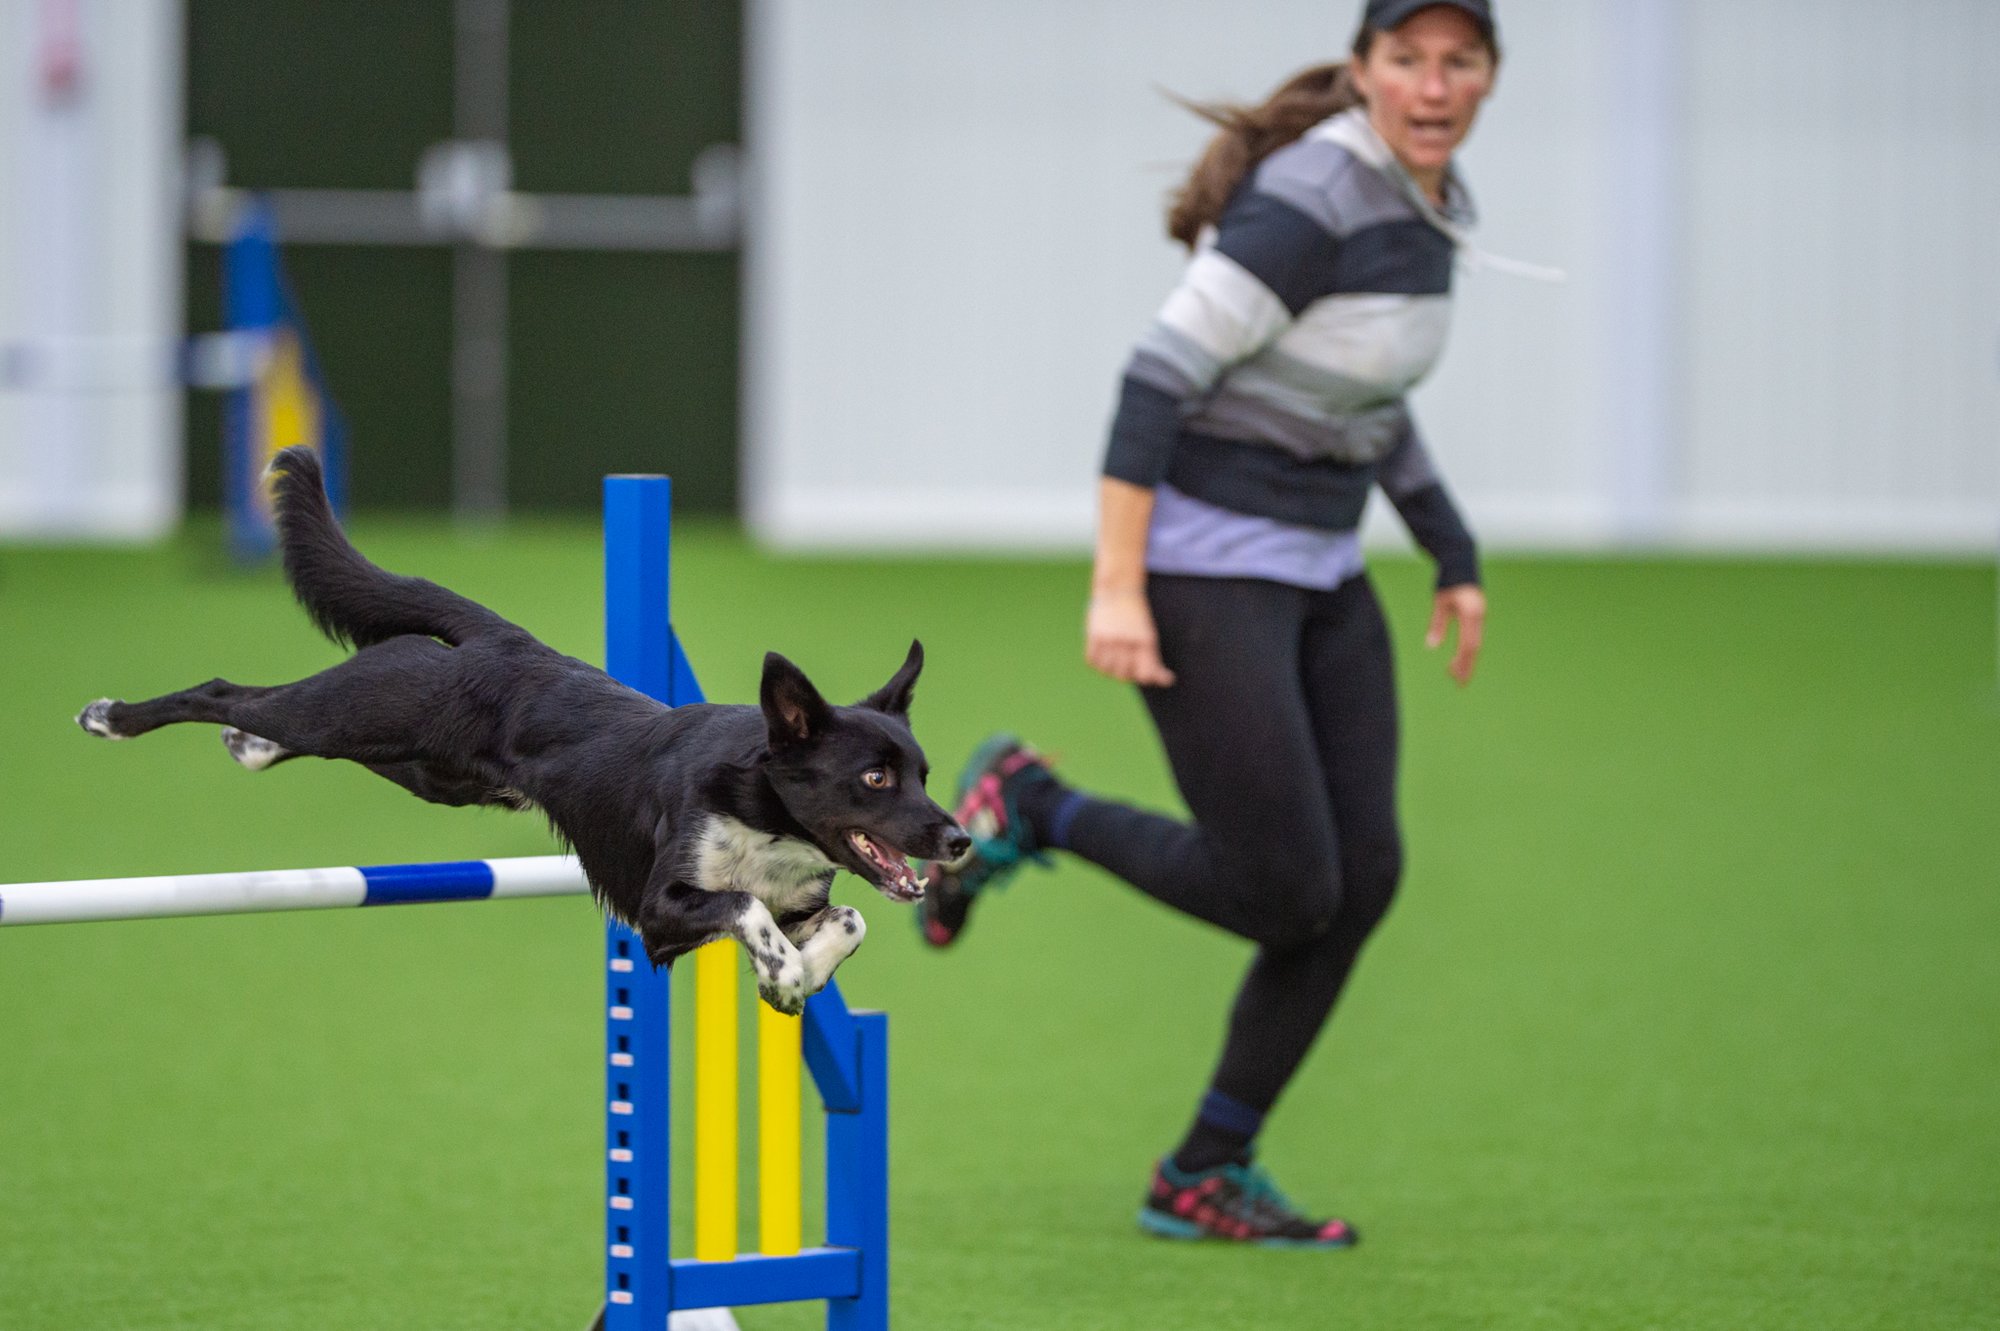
(846,1052)
(257,303)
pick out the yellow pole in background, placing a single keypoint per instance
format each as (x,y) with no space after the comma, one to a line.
(778,1057)
(715,1101)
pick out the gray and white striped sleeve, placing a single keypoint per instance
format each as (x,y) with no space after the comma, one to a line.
(1219,314)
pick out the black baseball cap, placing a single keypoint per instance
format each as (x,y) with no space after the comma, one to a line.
(1385,14)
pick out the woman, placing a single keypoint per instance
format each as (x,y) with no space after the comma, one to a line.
(1255,416)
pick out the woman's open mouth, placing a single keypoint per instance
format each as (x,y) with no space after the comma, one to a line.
(1432,132)
(892,872)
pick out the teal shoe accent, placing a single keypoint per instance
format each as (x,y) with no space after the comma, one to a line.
(1233,1203)
(1167,1226)
(1001,839)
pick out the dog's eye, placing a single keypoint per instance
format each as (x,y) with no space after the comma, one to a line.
(878,778)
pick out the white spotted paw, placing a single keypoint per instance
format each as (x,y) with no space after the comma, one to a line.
(252,751)
(847,926)
(840,931)
(781,980)
(789,999)
(96,719)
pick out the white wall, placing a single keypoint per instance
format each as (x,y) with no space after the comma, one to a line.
(1842,318)
(90,269)
(1781,328)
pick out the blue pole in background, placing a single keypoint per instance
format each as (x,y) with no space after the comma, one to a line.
(275,407)
(640,652)
(251,302)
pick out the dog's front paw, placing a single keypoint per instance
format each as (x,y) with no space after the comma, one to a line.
(788,998)
(781,978)
(96,719)
(840,931)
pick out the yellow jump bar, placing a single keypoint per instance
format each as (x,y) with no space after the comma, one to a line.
(778,1056)
(715,1114)
(715,1101)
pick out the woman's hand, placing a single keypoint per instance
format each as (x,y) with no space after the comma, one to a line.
(1120,642)
(1465,604)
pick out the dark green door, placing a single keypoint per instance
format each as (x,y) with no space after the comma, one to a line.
(615,361)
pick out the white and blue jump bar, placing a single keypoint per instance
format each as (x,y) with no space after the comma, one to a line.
(846,1052)
(81,900)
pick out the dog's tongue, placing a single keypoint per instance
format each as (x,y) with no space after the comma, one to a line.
(897,875)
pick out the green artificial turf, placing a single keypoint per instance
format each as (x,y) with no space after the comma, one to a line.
(1688,1015)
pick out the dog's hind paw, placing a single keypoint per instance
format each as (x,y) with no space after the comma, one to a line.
(96,719)
(253,751)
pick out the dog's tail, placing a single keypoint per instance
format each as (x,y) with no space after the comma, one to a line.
(350,599)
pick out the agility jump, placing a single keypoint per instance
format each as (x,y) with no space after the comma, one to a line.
(846,1052)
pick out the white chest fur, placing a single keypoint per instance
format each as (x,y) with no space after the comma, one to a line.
(779,871)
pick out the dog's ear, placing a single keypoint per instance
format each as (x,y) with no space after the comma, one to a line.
(793,710)
(894,697)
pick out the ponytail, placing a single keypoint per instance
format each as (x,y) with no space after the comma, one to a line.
(1248,135)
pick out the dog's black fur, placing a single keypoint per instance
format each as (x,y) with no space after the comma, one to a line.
(692,823)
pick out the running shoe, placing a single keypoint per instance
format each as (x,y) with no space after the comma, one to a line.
(1001,839)
(1236,1202)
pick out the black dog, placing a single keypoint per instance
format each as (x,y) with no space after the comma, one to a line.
(692,823)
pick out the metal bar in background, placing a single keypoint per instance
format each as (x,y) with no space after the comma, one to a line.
(639,222)
(479,273)
(700,223)
(479,70)
(479,384)
(348,217)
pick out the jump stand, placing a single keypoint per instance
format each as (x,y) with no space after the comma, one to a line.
(846,1052)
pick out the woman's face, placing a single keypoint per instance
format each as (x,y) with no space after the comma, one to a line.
(1424,81)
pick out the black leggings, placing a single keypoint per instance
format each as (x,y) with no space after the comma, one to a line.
(1281,729)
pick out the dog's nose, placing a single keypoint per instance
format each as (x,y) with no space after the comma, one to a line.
(956,843)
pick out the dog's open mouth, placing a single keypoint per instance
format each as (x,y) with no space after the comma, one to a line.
(893,874)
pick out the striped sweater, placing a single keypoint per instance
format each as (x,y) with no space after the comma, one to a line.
(1272,383)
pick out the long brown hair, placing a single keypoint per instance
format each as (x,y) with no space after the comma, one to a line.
(1249,134)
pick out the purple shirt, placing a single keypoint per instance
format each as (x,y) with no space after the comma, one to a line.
(1197,539)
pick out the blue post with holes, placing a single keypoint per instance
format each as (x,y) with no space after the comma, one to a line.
(638,1048)
(846,1052)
